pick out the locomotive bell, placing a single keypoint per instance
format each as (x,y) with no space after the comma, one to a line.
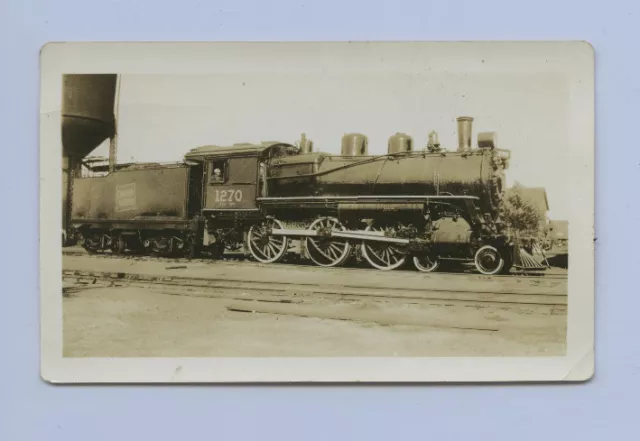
(400,143)
(464,133)
(355,144)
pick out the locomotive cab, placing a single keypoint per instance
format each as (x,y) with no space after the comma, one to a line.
(235,176)
(231,183)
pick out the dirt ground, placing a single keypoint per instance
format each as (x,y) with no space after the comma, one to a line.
(147,322)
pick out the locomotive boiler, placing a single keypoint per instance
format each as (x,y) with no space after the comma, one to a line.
(402,171)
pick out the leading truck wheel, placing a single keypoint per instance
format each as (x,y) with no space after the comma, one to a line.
(426,264)
(488,260)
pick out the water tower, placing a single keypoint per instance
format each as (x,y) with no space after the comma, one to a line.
(88,118)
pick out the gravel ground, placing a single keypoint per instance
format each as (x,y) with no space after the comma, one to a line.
(158,320)
(145,322)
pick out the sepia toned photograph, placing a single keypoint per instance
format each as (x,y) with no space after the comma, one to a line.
(317,212)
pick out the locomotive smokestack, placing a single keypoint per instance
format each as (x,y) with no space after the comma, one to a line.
(465,124)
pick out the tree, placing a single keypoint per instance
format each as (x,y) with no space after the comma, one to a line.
(521,215)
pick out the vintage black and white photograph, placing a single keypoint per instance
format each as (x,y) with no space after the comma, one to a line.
(317,211)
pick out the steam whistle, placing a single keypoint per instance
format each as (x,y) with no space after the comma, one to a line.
(306,145)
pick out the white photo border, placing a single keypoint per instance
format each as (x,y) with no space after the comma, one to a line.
(574,59)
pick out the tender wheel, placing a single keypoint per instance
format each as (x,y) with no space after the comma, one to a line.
(265,247)
(326,251)
(120,245)
(488,260)
(146,246)
(90,250)
(380,255)
(160,246)
(191,250)
(92,243)
(426,264)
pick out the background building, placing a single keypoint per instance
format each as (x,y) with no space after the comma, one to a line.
(537,197)
(559,235)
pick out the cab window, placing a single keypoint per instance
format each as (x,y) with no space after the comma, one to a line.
(218,171)
(243,170)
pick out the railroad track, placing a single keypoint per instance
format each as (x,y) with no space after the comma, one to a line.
(298,264)
(289,292)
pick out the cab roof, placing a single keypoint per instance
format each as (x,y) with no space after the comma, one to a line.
(242,149)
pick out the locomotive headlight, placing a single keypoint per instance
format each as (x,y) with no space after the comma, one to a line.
(488,140)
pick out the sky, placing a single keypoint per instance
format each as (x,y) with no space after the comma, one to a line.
(161,117)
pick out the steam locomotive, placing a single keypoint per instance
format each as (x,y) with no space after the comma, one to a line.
(428,206)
